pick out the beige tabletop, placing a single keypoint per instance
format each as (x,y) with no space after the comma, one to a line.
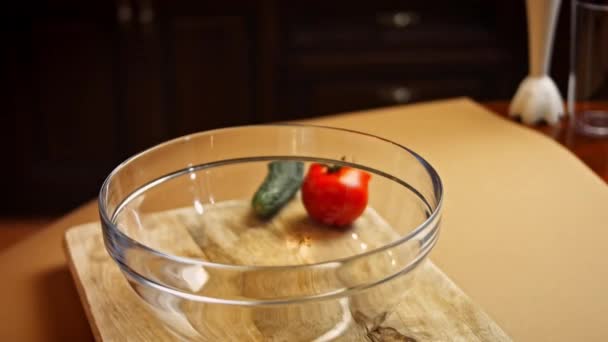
(524,232)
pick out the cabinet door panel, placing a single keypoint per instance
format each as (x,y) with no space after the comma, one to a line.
(212,73)
(67,116)
(305,99)
(74,88)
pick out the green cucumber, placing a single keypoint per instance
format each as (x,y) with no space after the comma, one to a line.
(283,180)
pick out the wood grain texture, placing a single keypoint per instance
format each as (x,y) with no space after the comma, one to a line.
(433,309)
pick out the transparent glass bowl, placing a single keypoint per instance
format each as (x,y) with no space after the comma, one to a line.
(177,220)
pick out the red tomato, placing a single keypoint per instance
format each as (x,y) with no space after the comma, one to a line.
(335,196)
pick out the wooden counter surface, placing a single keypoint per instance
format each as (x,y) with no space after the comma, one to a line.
(592,151)
(524,230)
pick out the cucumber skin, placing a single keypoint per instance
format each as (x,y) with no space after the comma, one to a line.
(283,180)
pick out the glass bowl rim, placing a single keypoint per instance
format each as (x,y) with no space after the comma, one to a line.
(107,223)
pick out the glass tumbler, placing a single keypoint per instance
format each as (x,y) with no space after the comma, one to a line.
(588,81)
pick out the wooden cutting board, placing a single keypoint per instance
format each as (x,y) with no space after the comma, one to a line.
(434,309)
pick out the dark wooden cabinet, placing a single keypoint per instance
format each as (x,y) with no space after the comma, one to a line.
(337,96)
(341,56)
(211,69)
(86,84)
(61,91)
(187,67)
(91,84)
